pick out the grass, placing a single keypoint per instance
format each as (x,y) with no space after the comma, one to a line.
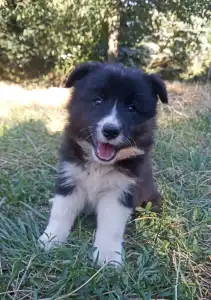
(166,258)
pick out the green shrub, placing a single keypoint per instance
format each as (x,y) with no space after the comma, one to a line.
(39,36)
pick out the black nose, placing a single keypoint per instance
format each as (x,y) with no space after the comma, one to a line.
(110,131)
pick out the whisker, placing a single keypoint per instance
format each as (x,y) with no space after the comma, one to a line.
(130,143)
(88,136)
(83,129)
(127,142)
(87,131)
(133,142)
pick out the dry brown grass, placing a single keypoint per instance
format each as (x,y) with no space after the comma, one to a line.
(189,98)
(182,96)
(18,104)
(18,96)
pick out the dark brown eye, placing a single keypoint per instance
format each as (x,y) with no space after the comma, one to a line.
(97,101)
(131,108)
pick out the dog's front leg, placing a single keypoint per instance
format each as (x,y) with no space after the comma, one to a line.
(65,209)
(112,216)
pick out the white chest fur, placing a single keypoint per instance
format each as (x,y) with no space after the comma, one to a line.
(101,187)
(94,179)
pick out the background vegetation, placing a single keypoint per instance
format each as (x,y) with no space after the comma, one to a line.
(50,37)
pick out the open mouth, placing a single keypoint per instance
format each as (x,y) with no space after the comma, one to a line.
(105,151)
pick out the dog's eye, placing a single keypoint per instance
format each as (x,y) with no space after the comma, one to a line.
(131,108)
(97,101)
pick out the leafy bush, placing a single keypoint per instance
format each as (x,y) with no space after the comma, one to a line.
(179,46)
(43,34)
(39,36)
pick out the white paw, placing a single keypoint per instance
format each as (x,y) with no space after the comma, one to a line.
(105,255)
(48,242)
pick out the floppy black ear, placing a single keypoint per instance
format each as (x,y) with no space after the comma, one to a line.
(159,87)
(80,72)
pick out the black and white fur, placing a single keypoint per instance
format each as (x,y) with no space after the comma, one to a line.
(124,99)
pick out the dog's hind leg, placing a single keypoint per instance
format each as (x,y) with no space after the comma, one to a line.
(147,189)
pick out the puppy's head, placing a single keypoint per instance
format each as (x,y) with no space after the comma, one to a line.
(111,108)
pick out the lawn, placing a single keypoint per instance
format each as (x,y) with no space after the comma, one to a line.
(167,257)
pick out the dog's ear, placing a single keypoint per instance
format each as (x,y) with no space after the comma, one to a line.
(80,72)
(159,87)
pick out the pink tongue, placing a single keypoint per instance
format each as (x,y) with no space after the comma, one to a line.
(105,151)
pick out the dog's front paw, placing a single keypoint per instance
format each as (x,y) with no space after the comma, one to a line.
(48,242)
(103,254)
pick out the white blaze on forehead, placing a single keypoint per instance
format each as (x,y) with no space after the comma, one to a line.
(111,118)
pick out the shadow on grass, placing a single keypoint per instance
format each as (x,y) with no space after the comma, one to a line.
(28,162)
(158,249)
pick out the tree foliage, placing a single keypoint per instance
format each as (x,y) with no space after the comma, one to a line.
(38,36)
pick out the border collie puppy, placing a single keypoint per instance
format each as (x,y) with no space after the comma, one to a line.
(105,161)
